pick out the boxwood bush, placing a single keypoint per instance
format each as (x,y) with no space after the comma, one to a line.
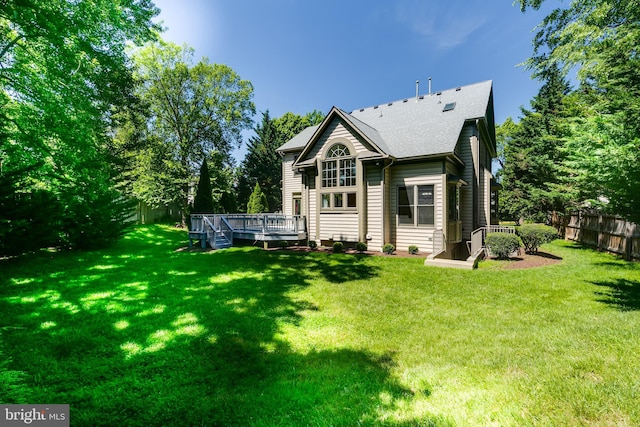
(338,247)
(413,249)
(388,248)
(361,246)
(502,245)
(535,235)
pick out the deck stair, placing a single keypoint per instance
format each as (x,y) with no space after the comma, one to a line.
(476,248)
(220,241)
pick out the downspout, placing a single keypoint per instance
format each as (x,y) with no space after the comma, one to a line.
(476,178)
(386,213)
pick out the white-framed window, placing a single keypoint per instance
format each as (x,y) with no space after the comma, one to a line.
(416,205)
(338,179)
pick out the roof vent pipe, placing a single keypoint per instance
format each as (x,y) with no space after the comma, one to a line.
(429,85)
(417,89)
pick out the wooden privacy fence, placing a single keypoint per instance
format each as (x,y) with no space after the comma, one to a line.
(605,232)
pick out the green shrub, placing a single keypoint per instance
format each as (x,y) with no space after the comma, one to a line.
(283,244)
(338,247)
(413,249)
(535,235)
(361,246)
(313,244)
(388,248)
(502,245)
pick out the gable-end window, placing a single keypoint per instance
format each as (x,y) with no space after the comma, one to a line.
(338,179)
(416,205)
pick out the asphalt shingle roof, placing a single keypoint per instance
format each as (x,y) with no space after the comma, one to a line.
(414,127)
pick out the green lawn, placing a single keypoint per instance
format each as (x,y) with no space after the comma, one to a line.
(142,334)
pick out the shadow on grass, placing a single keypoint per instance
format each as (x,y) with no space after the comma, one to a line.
(143,335)
(623,294)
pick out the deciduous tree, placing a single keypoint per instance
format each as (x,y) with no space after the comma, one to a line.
(193,111)
(63,69)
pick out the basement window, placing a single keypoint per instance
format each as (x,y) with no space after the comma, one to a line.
(448,107)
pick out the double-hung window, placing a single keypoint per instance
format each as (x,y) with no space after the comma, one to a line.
(416,205)
(338,179)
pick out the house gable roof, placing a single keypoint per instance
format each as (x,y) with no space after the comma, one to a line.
(367,133)
(410,128)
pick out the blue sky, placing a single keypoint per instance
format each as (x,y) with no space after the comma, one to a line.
(302,55)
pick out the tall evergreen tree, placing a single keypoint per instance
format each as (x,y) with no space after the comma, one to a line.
(599,39)
(262,163)
(533,155)
(257,201)
(203,201)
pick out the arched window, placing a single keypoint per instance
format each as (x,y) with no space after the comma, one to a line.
(338,175)
(338,150)
(339,168)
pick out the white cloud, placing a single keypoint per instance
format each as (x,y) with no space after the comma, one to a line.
(444,24)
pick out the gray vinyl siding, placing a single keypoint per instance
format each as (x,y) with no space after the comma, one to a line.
(334,131)
(291,183)
(485,186)
(339,227)
(466,192)
(374,208)
(418,174)
(486,196)
(483,218)
(312,212)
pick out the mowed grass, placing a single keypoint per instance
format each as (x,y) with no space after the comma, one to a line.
(142,334)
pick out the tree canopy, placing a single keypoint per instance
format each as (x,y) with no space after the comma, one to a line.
(63,69)
(262,164)
(532,152)
(600,164)
(190,111)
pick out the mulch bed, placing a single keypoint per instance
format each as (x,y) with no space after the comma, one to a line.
(522,261)
(396,254)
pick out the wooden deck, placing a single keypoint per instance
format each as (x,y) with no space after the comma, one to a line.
(220,230)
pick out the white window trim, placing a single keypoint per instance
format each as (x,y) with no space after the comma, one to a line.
(344,190)
(414,206)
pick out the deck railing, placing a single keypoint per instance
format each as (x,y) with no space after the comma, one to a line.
(438,241)
(478,236)
(264,223)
